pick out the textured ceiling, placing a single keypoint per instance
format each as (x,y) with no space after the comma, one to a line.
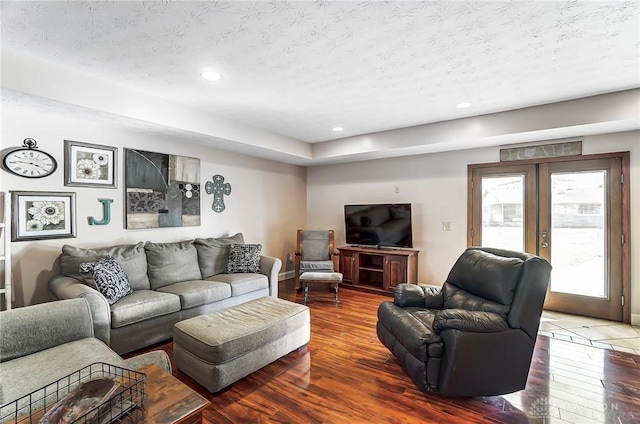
(300,68)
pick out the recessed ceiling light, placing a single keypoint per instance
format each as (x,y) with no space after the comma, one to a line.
(337,129)
(463,105)
(210,75)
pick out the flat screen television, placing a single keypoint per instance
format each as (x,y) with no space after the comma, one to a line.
(380,225)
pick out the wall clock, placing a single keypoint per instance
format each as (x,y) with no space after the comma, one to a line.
(29,162)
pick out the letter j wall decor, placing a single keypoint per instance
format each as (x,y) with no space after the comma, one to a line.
(161,190)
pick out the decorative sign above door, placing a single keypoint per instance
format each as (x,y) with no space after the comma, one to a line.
(570,148)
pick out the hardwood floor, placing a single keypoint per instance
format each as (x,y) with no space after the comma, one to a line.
(346,375)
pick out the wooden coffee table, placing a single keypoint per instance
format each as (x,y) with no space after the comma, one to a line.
(167,400)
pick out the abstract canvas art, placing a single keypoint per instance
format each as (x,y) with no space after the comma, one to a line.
(162,190)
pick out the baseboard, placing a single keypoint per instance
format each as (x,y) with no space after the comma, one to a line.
(290,274)
(635,319)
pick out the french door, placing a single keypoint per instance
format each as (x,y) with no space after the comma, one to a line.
(572,212)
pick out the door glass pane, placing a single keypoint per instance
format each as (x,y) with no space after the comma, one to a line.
(578,233)
(502,212)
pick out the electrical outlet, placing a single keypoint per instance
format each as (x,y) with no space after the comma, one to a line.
(396,190)
(446,226)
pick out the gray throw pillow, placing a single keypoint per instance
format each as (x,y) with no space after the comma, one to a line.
(131,257)
(109,277)
(212,253)
(243,258)
(170,263)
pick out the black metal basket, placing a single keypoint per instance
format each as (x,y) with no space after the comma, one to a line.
(30,408)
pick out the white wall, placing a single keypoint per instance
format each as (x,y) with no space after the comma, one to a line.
(267,201)
(436,185)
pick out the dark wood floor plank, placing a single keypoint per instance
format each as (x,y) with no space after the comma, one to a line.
(346,375)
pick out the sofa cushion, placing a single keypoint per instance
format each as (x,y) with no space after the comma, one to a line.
(212,253)
(242,283)
(26,374)
(243,258)
(170,263)
(142,305)
(131,257)
(109,277)
(198,292)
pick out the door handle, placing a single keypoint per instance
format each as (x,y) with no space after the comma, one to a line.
(544,243)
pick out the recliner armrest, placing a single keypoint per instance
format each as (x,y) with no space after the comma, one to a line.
(405,295)
(471,321)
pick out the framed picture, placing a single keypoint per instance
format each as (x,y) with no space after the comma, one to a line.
(40,215)
(90,165)
(161,190)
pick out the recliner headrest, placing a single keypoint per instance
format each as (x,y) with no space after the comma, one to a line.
(487,275)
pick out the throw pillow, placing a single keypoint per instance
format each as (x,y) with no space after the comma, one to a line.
(243,258)
(109,277)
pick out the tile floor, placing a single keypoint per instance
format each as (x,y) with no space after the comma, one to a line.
(591,331)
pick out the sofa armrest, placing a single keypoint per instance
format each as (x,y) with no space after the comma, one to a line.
(270,267)
(39,327)
(405,295)
(70,288)
(470,321)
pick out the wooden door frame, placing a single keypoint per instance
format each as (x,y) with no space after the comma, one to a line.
(626,209)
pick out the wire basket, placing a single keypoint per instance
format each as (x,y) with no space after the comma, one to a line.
(30,409)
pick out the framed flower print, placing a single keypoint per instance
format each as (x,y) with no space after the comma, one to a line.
(40,215)
(90,165)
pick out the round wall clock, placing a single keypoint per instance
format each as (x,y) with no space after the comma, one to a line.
(29,162)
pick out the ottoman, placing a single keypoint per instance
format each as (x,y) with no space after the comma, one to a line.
(222,347)
(330,278)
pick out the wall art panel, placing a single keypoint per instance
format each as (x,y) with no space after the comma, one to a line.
(161,190)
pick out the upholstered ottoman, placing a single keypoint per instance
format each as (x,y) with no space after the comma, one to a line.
(222,347)
(333,279)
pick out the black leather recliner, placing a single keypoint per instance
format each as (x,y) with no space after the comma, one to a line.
(475,335)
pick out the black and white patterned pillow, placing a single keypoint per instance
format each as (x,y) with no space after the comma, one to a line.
(110,278)
(242,258)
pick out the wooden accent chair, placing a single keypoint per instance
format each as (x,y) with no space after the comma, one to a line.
(315,252)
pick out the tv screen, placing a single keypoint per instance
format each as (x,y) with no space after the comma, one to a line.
(381,225)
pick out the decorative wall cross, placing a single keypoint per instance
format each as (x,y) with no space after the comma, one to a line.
(218,188)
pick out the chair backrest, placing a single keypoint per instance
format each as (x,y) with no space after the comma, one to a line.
(512,284)
(315,245)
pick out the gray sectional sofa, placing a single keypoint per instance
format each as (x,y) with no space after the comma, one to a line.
(40,344)
(170,281)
